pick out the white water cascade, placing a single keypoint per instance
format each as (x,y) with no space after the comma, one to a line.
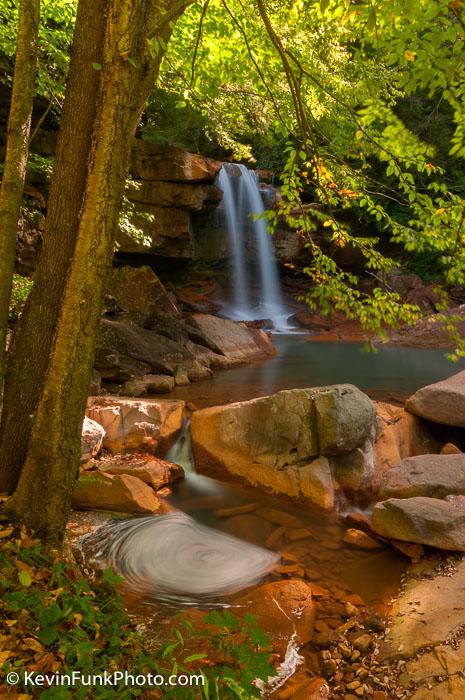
(243,208)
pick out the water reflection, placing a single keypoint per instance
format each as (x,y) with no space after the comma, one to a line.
(302,363)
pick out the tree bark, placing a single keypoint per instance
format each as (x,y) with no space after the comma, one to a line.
(17,149)
(136,34)
(29,351)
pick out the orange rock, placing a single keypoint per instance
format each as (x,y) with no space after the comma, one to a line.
(275,537)
(402,435)
(136,424)
(281,608)
(359,520)
(300,533)
(410,549)
(153,471)
(360,539)
(450,449)
(301,687)
(290,570)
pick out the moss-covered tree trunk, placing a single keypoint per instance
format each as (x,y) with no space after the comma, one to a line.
(29,352)
(135,33)
(17,149)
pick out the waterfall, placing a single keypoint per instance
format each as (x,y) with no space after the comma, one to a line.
(241,302)
(244,209)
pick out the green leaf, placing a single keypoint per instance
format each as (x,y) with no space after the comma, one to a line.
(195,657)
(97,66)
(48,635)
(24,578)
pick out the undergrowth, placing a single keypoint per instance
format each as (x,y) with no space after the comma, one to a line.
(54,621)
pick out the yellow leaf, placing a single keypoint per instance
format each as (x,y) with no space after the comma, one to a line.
(410,55)
(10,623)
(34,644)
(359,134)
(6,533)
(4,656)
(328,222)
(77,618)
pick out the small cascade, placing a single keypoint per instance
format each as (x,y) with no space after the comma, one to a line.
(181,452)
(243,208)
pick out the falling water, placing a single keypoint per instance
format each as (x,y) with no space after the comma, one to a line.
(181,452)
(243,207)
(241,301)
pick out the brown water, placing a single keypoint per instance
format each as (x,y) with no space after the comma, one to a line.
(312,538)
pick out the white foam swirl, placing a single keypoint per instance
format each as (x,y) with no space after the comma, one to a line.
(174,558)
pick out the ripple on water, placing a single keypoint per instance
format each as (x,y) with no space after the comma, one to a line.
(174,559)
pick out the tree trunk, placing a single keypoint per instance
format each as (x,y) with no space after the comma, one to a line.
(17,149)
(136,33)
(29,351)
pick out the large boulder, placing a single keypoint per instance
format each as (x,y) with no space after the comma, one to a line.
(136,425)
(344,418)
(442,402)
(121,493)
(428,475)
(233,340)
(126,350)
(283,441)
(430,521)
(92,436)
(131,345)
(138,289)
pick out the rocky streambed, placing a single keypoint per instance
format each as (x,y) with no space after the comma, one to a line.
(337,492)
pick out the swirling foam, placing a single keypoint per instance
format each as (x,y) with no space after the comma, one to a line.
(173,558)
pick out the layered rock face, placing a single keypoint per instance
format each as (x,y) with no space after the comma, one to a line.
(294,442)
(168,187)
(171,195)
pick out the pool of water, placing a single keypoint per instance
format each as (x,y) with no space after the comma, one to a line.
(391,372)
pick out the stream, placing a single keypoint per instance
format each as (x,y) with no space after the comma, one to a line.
(220,538)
